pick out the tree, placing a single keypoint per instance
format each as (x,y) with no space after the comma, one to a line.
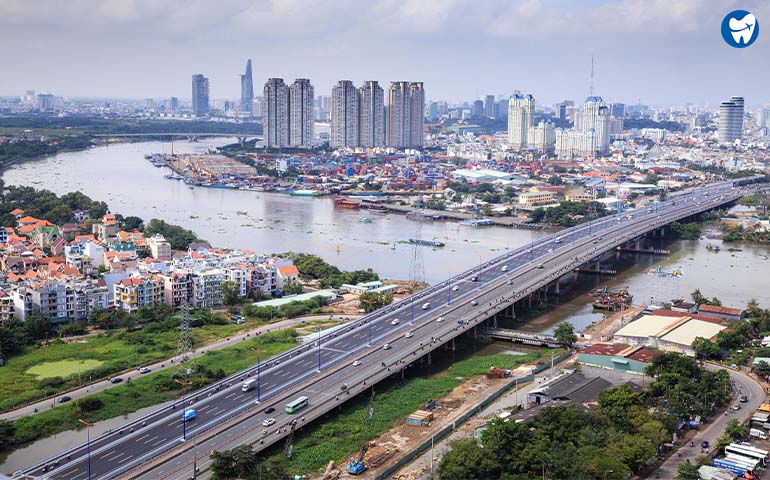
(467,461)
(565,334)
(37,325)
(705,348)
(371,301)
(687,471)
(231,294)
(616,403)
(762,369)
(655,432)
(555,180)
(240,462)
(7,432)
(292,288)
(131,223)
(697,297)
(735,430)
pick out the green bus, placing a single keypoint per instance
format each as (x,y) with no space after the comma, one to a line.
(296,405)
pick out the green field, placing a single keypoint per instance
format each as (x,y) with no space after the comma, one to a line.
(64,368)
(40,371)
(147,390)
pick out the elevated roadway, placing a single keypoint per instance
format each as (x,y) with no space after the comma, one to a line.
(368,350)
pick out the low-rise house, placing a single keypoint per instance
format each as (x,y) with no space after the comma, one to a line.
(725,313)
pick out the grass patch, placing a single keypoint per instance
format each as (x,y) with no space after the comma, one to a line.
(338,435)
(146,390)
(64,368)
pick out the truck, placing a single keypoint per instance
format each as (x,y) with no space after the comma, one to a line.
(728,465)
(757,433)
(249,384)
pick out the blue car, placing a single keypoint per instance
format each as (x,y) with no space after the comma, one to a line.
(189,414)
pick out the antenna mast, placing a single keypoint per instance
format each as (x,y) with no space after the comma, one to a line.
(591,85)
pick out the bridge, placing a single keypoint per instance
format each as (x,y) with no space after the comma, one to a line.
(349,361)
(191,136)
(518,336)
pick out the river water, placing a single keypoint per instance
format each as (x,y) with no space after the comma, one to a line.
(119,175)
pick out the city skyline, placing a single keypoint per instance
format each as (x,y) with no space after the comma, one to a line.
(661,52)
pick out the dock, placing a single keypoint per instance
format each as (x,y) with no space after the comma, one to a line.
(596,271)
(648,251)
(508,222)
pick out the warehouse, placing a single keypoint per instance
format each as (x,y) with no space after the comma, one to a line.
(674,334)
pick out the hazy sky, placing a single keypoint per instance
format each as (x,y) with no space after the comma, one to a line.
(653,51)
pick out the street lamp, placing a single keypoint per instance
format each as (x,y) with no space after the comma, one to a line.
(259,396)
(184,416)
(88,442)
(319,348)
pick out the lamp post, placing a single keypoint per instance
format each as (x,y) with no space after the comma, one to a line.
(184,408)
(259,394)
(88,442)
(319,348)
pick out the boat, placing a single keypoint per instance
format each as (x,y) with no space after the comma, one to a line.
(478,223)
(378,208)
(242,212)
(712,248)
(173,176)
(341,202)
(305,193)
(427,243)
(364,220)
(605,299)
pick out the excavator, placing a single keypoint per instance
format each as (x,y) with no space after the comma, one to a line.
(357,465)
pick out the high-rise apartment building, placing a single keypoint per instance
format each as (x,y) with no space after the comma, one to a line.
(406,106)
(596,118)
(344,115)
(542,137)
(477,109)
(276,113)
(46,102)
(371,115)
(521,115)
(490,109)
(200,95)
(618,110)
(247,90)
(764,117)
(731,120)
(301,117)
(174,104)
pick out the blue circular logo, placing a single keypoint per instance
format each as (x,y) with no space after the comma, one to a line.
(740,28)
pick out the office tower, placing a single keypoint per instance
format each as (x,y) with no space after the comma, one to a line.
(247,90)
(371,115)
(618,110)
(174,104)
(542,137)
(477,110)
(561,111)
(276,113)
(521,114)
(489,107)
(344,115)
(764,117)
(731,120)
(200,95)
(596,118)
(45,102)
(502,110)
(433,111)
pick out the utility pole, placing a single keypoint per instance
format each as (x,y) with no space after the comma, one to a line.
(88,442)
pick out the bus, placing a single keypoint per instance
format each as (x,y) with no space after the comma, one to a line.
(747,451)
(296,405)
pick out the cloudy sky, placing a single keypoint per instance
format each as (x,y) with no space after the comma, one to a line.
(653,51)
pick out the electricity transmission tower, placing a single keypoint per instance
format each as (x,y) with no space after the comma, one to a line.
(417,269)
(185,348)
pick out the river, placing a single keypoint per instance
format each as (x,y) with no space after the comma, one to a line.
(119,175)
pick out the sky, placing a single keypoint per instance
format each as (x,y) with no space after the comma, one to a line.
(657,52)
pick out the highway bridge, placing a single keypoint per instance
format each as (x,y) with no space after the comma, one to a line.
(368,350)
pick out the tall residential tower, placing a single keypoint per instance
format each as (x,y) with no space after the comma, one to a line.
(405,115)
(521,116)
(371,115)
(301,117)
(344,115)
(200,95)
(276,113)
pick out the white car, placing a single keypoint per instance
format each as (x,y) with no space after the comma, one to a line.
(386,346)
(475,302)
(394,322)
(505,268)
(268,422)
(455,288)
(356,363)
(409,335)
(440,319)
(144,370)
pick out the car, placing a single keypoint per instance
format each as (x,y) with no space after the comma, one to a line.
(394,321)
(743,399)
(387,346)
(64,399)
(594,242)
(356,363)
(704,444)
(343,387)
(541,266)
(475,302)
(269,409)
(144,370)
(116,380)
(475,278)
(440,319)
(409,335)
(736,407)
(460,322)
(426,305)
(505,268)
(510,282)
(455,288)
(189,414)
(268,422)
(558,240)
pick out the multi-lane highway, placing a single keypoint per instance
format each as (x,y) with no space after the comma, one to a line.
(347,362)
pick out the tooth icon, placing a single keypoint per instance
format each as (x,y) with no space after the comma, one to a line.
(742,30)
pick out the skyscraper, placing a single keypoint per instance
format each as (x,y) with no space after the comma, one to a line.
(521,115)
(276,113)
(596,118)
(301,117)
(174,104)
(371,115)
(344,115)
(489,107)
(406,106)
(200,95)
(731,120)
(247,90)
(618,110)
(477,109)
